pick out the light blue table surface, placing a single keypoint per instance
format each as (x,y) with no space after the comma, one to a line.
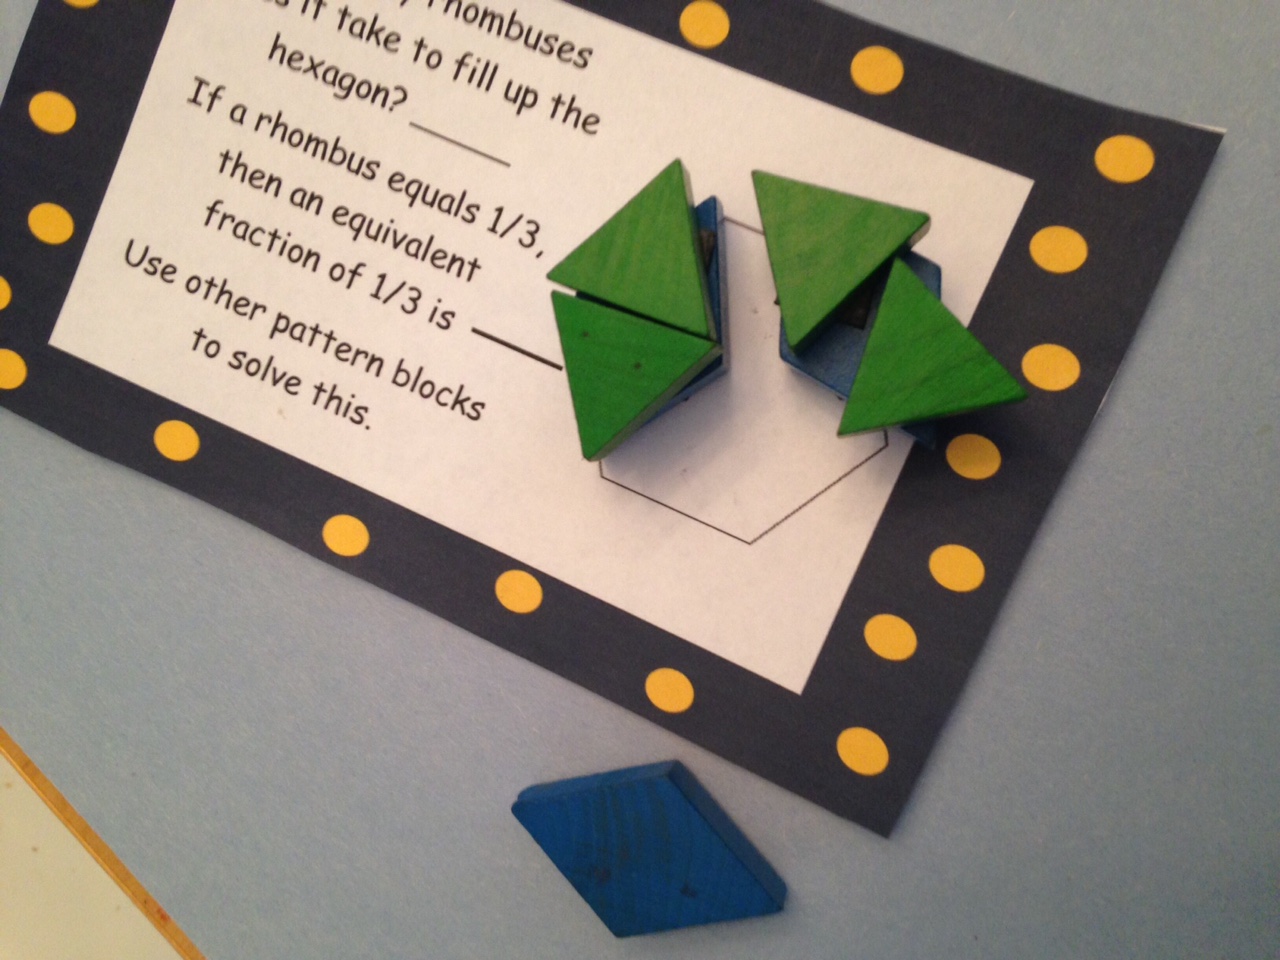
(299,766)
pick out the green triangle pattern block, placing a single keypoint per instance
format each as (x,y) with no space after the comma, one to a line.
(823,245)
(646,258)
(921,363)
(622,369)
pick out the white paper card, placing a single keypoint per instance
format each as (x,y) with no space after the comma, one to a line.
(309,224)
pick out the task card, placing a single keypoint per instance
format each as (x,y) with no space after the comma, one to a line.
(290,256)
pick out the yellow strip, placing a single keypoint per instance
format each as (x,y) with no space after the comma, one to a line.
(97,848)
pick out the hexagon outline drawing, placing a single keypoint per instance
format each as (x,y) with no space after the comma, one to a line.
(884,445)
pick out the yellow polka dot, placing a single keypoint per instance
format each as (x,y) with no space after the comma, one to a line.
(704,24)
(890,637)
(957,568)
(862,751)
(1051,367)
(669,690)
(519,591)
(81,4)
(346,536)
(13,370)
(50,223)
(973,457)
(877,70)
(52,112)
(1124,159)
(177,440)
(6,293)
(1059,250)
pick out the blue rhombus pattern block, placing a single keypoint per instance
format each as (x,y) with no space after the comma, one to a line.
(649,849)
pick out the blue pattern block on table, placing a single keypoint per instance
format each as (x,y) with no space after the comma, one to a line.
(649,849)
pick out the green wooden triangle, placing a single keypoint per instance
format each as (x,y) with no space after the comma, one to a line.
(622,369)
(646,258)
(921,363)
(823,245)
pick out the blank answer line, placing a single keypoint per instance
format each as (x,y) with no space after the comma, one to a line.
(511,346)
(459,143)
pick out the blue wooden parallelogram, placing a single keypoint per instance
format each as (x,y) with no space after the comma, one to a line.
(649,849)
(709,216)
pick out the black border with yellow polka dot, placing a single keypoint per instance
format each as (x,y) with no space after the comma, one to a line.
(1111,192)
